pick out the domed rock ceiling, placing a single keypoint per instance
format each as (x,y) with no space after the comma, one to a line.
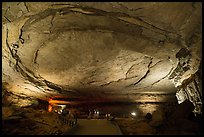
(134,52)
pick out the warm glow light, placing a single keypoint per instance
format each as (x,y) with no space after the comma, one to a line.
(49,108)
(133,113)
(58,102)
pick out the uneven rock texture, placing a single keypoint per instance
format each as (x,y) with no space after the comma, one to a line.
(180,120)
(140,52)
(31,121)
(133,127)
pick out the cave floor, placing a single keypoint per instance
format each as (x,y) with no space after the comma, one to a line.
(32,121)
(95,127)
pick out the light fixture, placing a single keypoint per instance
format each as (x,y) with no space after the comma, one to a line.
(133,114)
(50,108)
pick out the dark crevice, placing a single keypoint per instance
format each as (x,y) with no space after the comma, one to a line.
(20,36)
(7,44)
(26,6)
(35,57)
(7,19)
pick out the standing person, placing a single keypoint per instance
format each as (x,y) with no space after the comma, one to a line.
(64,112)
(90,115)
(75,117)
(107,116)
(97,114)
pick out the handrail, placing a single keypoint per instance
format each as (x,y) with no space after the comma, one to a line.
(70,122)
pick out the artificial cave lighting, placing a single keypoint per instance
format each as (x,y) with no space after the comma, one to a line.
(133,114)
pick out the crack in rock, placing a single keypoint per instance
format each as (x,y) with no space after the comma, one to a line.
(35,57)
(164,76)
(7,19)
(145,73)
(26,6)
(111,82)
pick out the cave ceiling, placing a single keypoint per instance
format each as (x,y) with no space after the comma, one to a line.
(98,49)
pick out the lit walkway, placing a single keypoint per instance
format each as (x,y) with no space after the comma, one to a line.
(95,127)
